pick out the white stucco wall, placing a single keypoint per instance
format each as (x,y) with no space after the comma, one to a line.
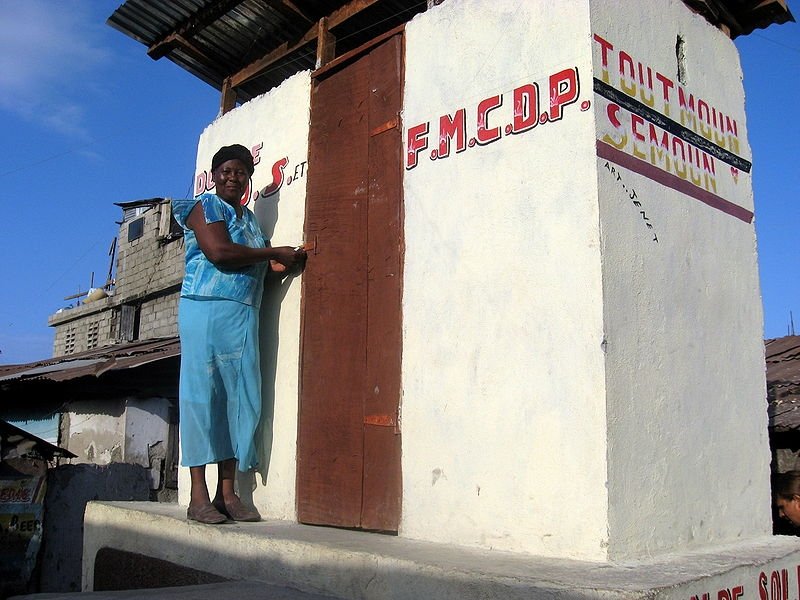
(503,411)
(688,454)
(275,126)
(96,432)
(582,367)
(146,424)
(106,431)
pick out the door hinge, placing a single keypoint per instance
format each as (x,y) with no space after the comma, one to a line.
(390,124)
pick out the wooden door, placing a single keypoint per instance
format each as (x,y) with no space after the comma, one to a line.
(349,436)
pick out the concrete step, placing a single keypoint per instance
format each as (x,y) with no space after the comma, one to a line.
(355,565)
(245,590)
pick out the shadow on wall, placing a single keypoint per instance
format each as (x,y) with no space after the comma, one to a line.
(275,290)
(266,212)
(69,488)
(276,286)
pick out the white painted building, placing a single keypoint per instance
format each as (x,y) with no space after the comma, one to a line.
(581,369)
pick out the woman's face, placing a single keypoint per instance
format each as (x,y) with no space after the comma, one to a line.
(789,509)
(231,179)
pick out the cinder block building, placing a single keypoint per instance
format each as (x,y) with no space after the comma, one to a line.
(142,301)
(111,386)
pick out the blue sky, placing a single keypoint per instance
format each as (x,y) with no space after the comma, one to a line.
(89,120)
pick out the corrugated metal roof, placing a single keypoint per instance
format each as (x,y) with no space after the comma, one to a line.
(742,17)
(215,39)
(18,442)
(783,382)
(143,202)
(92,362)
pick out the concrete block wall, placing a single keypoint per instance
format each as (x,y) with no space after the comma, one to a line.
(159,317)
(87,326)
(148,263)
(149,274)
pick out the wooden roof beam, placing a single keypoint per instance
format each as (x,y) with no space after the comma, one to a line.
(718,13)
(326,43)
(199,21)
(337,17)
(228,98)
(771,9)
(175,41)
(278,4)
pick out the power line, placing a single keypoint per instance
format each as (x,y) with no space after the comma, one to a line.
(777,43)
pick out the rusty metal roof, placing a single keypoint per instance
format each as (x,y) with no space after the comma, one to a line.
(217,39)
(783,382)
(256,44)
(16,442)
(142,369)
(742,17)
(92,363)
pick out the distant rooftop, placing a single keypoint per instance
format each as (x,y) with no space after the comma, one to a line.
(783,382)
(246,47)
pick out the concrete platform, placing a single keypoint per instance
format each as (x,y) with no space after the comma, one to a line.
(249,590)
(355,565)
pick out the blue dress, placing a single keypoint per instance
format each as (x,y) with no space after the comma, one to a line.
(220,375)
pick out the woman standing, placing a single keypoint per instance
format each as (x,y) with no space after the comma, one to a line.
(227,258)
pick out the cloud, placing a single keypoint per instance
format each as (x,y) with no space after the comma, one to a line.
(48,51)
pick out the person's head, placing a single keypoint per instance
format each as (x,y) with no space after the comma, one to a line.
(786,488)
(231,168)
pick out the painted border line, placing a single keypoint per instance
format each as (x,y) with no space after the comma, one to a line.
(687,135)
(669,180)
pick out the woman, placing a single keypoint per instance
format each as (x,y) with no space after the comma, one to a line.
(227,258)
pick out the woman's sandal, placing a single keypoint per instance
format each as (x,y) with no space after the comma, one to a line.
(236,510)
(207,514)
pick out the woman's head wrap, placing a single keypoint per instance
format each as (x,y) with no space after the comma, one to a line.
(236,151)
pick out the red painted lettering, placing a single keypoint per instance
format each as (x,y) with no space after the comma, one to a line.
(737,592)
(486,135)
(775,586)
(636,120)
(627,74)
(605,46)
(200,184)
(785,583)
(454,127)
(798,580)
(277,177)
(417,142)
(762,586)
(564,90)
(731,127)
(526,108)
(650,99)
(666,87)
(613,110)
(256,152)
(724,594)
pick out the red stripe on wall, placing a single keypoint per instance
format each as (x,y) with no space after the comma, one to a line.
(623,159)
